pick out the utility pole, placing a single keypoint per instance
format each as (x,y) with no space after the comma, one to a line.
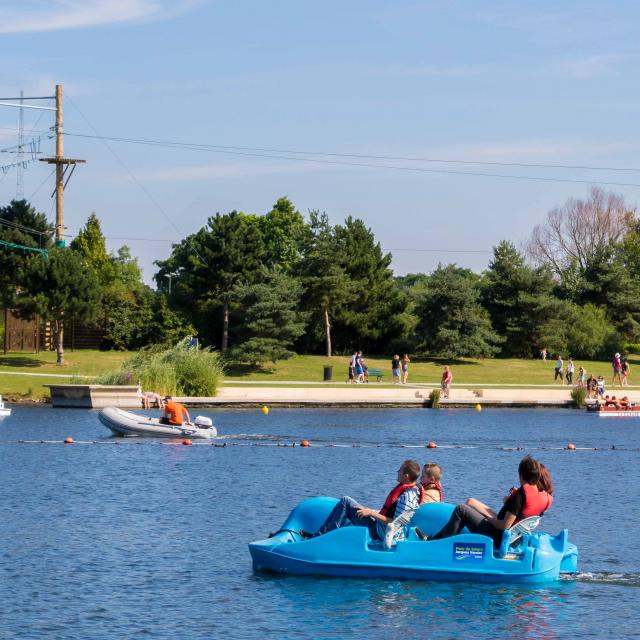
(20,153)
(62,165)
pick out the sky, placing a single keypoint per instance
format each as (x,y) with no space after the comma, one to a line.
(381,110)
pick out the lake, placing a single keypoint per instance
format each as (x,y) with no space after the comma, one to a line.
(113,538)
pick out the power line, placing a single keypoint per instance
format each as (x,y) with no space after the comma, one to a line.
(14,225)
(140,186)
(217,147)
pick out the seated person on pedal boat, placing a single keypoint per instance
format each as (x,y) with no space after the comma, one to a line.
(532,498)
(430,482)
(403,500)
(174,413)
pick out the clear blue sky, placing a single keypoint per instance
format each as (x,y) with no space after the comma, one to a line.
(493,81)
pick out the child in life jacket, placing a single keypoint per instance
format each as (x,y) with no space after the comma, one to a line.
(531,498)
(430,482)
(402,501)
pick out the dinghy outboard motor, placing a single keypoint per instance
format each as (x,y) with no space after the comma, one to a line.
(202,422)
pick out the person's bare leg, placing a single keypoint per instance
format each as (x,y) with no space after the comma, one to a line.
(481,507)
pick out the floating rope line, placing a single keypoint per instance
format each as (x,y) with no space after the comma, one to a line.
(321,445)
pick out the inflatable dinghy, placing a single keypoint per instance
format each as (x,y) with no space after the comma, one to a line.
(350,551)
(126,423)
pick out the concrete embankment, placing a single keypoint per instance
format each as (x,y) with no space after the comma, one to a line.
(374,396)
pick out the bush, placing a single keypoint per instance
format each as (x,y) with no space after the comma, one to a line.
(434,397)
(578,397)
(181,370)
(632,347)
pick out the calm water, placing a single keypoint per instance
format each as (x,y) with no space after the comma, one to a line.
(149,540)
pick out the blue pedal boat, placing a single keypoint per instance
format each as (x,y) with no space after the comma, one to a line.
(350,551)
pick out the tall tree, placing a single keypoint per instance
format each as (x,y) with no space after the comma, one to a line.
(206,266)
(285,235)
(577,231)
(451,321)
(517,298)
(91,244)
(271,320)
(20,225)
(328,287)
(60,288)
(377,311)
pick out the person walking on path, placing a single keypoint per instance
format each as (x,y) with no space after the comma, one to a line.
(447,379)
(626,370)
(570,370)
(617,368)
(395,369)
(359,368)
(558,370)
(405,368)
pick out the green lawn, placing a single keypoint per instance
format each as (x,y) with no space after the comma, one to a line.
(300,368)
(77,364)
(465,371)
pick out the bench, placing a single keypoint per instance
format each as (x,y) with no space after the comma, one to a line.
(375,372)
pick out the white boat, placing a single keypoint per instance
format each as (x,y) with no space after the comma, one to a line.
(4,411)
(126,423)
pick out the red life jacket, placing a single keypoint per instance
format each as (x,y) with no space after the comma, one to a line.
(536,502)
(389,506)
(433,485)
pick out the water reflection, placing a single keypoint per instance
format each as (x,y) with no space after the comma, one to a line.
(421,609)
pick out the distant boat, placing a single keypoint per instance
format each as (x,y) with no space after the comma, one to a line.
(4,411)
(611,411)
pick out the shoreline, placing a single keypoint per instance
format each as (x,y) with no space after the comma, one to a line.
(365,396)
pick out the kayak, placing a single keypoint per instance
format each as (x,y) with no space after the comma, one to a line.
(350,551)
(126,423)
(4,411)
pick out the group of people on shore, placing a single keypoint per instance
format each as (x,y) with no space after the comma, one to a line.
(358,370)
(416,487)
(400,369)
(595,386)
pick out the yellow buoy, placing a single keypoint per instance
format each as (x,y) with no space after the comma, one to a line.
(265,410)
(478,407)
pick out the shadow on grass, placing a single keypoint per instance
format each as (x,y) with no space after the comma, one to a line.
(237,370)
(442,361)
(20,362)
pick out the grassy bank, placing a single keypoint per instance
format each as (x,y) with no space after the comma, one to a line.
(298,369)
(423,370)
(18,379)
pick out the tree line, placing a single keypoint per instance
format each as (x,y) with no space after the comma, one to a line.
(262,287)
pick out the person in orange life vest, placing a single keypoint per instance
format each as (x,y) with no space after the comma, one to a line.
(174,412)
(430,482)
(403,499)
(530,499)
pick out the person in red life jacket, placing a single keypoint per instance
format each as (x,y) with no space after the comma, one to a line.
(174,413)
(430,482)
(527,500)
(402,500)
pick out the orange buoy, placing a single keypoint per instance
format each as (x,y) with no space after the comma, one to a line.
(571,447)
(305,443)
(187,441)
(432,445)
(68,440)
